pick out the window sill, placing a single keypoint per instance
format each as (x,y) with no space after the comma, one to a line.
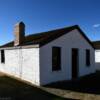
(56,71)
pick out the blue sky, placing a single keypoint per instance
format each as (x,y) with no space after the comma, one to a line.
(44,15)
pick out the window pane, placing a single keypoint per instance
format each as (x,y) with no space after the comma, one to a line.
(2,56)
(56,58)
(88,57)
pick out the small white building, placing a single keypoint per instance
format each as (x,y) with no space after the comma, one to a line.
(96,44)
(61,54)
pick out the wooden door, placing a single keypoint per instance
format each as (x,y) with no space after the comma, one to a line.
(75,63)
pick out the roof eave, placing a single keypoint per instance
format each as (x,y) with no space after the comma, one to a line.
(20,47)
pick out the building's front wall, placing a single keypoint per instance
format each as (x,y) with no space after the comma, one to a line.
(35,65)
(66,42)
(97,59)
(22,63)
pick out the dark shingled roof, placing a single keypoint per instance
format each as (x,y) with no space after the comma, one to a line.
(46,37)
(96,44)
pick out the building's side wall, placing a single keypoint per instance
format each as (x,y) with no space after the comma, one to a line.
(97,59)
(22,63)
(66,42)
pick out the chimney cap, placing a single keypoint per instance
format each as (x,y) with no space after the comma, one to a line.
(20,23)
(19,32)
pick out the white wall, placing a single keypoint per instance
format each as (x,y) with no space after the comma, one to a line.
(68,41)
(97,59)
(35,65)
(22,63)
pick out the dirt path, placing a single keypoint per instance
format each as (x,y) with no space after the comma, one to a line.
(84,88)
(72,95)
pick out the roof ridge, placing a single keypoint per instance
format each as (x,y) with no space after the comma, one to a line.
(43,38)
(39,33)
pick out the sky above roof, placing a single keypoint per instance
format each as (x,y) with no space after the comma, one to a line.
(44,15)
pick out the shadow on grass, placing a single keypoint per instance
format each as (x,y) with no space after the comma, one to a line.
(10,89)
(87,84)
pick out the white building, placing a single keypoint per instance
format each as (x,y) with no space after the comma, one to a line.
(97,54)
(47,57)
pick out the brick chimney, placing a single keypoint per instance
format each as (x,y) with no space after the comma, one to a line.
(19,33)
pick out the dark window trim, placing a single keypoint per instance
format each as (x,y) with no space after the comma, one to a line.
(57,66)
(2,56)
(88,61)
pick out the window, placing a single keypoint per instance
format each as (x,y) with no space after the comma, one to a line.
(87,57)
(2,56)
(56,58)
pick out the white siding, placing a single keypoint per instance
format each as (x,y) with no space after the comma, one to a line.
(97,59)
(35,64)
(22,63)
(97,56)
(68,41)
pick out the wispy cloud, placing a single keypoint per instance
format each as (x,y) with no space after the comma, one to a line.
(96,25)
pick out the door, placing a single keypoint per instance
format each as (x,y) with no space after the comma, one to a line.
(75,62)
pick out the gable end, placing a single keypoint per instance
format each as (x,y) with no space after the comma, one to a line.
(46,41)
